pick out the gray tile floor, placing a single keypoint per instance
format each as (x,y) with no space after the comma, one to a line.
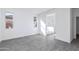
(38,43)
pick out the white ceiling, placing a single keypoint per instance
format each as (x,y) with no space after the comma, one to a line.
(39,10)
(33,11)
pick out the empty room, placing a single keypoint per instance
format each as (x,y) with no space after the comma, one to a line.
(39,29)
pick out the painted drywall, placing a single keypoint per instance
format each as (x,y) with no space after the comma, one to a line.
(0,25)
(71,25)
(63,23)
(74,13)
(23,24)
(63,28)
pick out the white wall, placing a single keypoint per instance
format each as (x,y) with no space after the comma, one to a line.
(22,23)
(63,26)
(63,23)
(0,25)
(74,14)
(72,25)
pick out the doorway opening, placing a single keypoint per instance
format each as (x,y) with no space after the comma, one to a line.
(47,25)
(77,27)
(50,24)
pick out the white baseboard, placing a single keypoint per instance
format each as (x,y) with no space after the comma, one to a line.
(63,40)
(19,36)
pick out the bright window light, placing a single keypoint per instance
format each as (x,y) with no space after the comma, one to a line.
(43,27)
